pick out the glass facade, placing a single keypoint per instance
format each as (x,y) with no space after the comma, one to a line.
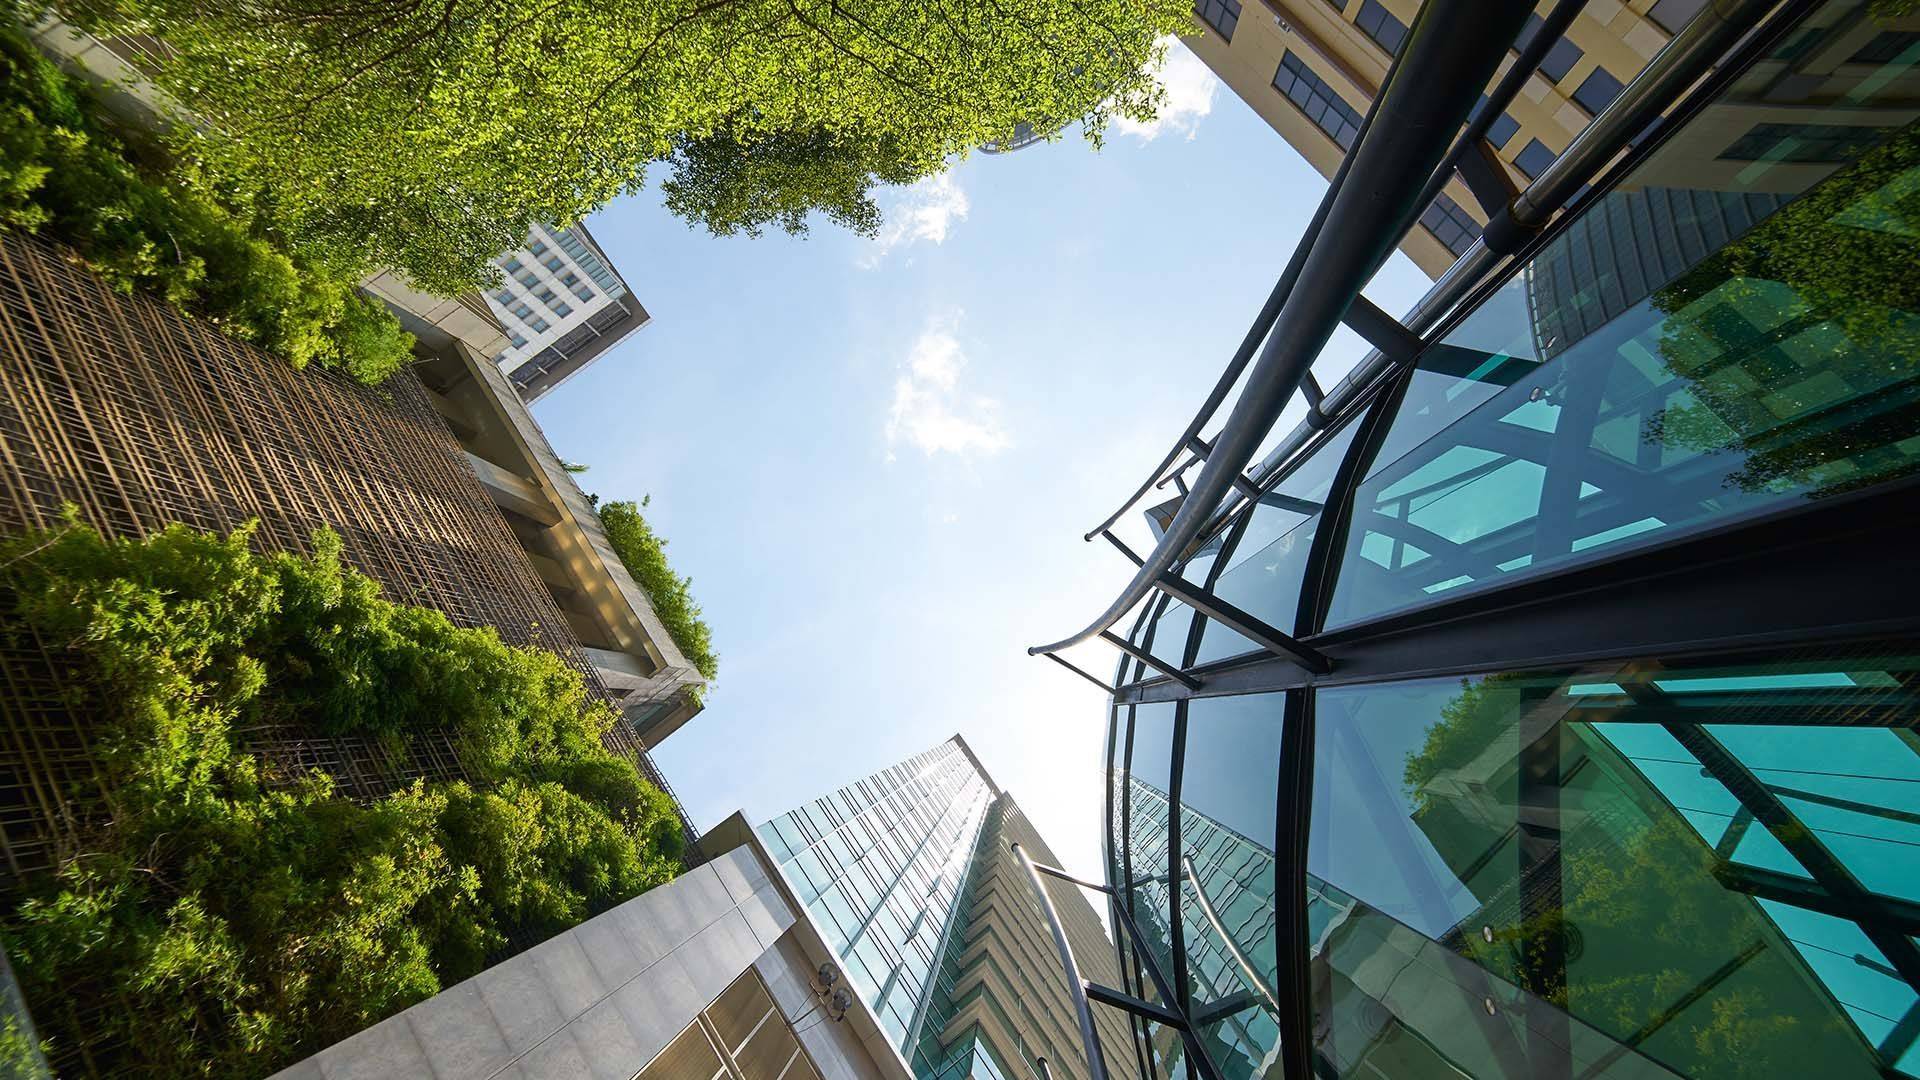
(1584,857)
(880,865)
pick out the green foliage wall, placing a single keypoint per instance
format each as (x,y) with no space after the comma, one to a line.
(234,920)
(65,174)
(645,557)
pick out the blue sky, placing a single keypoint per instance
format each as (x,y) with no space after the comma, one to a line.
(876,458)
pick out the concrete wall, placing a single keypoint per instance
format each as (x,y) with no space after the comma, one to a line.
(601,1000)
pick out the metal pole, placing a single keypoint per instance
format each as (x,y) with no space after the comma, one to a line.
(1254,981)
(1076,987)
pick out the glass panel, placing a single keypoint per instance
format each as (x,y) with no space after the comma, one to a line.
(1712,339)
(1584,873)
(1268,563)
(1228,797)
(1147,784)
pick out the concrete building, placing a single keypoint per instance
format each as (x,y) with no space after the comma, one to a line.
(910,877)
(562,304)
(716,975)
(1311,68)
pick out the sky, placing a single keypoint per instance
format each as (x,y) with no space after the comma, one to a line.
(876,458)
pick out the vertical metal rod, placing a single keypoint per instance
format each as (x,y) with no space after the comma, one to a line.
(1076,987)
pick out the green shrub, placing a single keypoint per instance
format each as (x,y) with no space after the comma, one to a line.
(239,919)
(645,556)
(65,174)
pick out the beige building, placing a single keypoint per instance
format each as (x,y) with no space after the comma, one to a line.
(1312,68)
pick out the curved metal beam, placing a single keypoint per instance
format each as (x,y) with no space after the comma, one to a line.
(1076,986)
(1428,94)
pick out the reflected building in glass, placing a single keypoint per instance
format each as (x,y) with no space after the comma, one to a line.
(1616,772)
(910,877)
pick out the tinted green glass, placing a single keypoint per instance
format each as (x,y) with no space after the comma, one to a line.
(1707,871)
(1712,339)
(1229,789)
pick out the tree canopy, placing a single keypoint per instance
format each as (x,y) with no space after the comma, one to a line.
(431,134)
(645,556)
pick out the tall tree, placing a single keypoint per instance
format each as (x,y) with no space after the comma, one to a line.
(430,134)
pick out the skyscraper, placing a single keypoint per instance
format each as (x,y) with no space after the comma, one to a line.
(910,876)
(562,304)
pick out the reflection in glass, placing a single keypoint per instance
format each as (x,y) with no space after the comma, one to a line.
(1228,792)
(1584,874)
(1713,338)
(1268,563)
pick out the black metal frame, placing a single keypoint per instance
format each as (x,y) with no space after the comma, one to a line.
(1684,598)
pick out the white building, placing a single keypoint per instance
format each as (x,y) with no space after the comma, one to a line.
(562,304)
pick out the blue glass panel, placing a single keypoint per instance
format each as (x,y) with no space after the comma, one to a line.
(1265,570)
(1229,791)
(1677,358)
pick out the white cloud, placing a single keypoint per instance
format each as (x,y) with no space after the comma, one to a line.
(1190,89)
(924,210)
(930,411)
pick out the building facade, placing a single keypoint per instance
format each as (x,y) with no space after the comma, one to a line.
(911,878)
(562,304)
(1311,69)
(1600,759)
(712,976)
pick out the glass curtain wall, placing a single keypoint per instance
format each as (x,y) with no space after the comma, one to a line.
(1701,862)
(879,864)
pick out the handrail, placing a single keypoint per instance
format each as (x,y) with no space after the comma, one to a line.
(1683,60)
(1076,987)
(1428,93)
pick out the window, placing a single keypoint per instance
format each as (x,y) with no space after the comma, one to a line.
(511,266)
(1534,159)
(1885,47)
(518,341)
(1671,15)
(1559,59)
(537,248)
(539,324)
(1826,144)
(504,298)
(1450,225)
(1379,24)
(1503,128)
(1222,15)
(1598,91)
(556,264)
(523,311)
(561,308)
(1311,94)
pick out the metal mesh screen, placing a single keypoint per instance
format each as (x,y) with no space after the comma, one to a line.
(141,418)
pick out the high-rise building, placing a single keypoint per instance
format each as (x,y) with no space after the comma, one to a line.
(562,304)
(1547,706)
(716,975)
(911,878)
(1311,68)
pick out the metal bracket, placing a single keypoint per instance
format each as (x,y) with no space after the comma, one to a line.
(1244,624)
(1382,331)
